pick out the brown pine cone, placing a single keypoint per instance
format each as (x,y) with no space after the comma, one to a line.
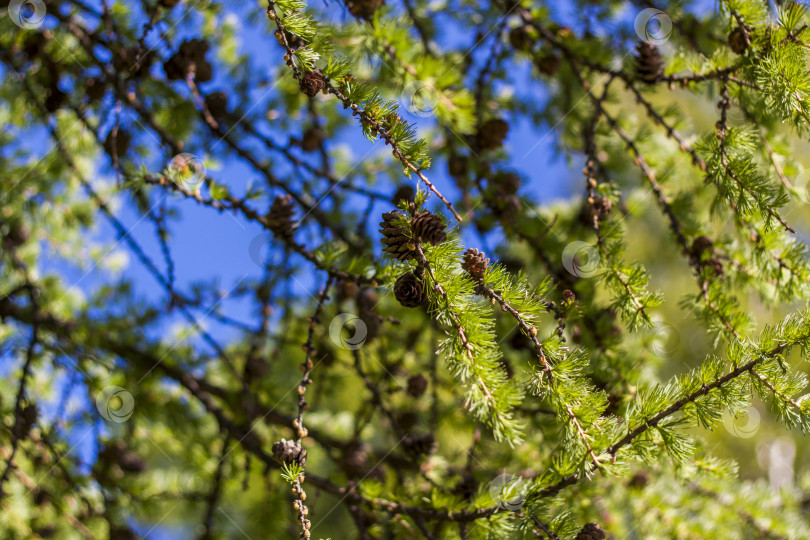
(457,166)
(409,290)
(428,228)
(548,64)
(639,480)
(591,531)
(475,263)
(507,182)
(701,244)
(168,4)
(403,193)
(312,83)
(363,9)
(311,140)
(190,52)
(395,237)
(649,64)
(739,40)
(417,384)
(217,104)
(279,218)
(285,451)
(131,462)
(519,38)
(420,445)
(491,134)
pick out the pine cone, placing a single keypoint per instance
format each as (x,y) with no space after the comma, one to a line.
(409,290)
(363,9)
(649,64)
(279,218)
(701,244)
(475,263)
(491,134)
(457,166)
(403,193)
(168,4)
(738,40)
(131,462)
(639,480)
(217,104)
(285,451)
(507,182)
(178,66)
(396,240)
(311,139)
(428,228)
(417,384)
(312,83)
(548,64)
(591,531)
(420,445)
(519,38)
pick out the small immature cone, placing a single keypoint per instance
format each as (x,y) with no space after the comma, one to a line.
(279,219)
(475,263)
(312,83)
(649,64)
(285,451)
